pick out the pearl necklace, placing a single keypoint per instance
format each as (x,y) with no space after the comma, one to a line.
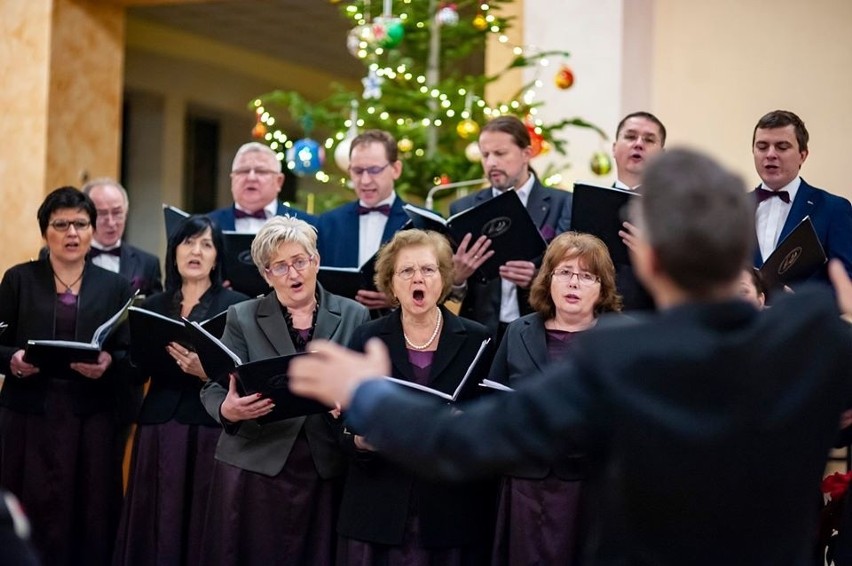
(431,338)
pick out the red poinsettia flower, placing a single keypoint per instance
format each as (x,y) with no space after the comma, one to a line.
(836,484)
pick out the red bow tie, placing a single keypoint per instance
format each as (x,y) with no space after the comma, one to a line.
(383,208)
(95,252)
(763,194)
(259,214)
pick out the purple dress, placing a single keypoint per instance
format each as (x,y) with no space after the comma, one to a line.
(172,464)
(62,466)
(538,520)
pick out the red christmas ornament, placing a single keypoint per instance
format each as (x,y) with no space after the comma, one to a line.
(564,78)
(536,139)
(445,179)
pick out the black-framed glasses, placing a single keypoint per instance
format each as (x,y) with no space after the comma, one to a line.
(282,268)
(260,172)
(371,171)
(63,225)
(584,277)
(427,271)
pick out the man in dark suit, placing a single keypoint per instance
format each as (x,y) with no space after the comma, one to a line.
(506,152)
(780,147)
(708,424)
(256,180)
(639,136)
(108,250)
(352,233)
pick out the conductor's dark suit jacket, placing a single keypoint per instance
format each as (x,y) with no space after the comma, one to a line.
(256,330)
(710,424)
(550,210)
(379,494)
(27,305)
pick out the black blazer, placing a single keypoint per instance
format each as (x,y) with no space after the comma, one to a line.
(176,395)
(27,303)
(521,356)
(378,494)
(710,423)
(141,269)
(550,210)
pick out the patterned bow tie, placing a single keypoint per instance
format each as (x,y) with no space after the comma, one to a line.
(383,208)
(763,194)
(259,214)
(95,252)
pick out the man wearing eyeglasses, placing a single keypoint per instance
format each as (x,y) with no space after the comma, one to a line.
(256,180)
(109,250)
(352,233)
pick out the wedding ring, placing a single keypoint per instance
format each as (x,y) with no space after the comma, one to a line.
(19,373)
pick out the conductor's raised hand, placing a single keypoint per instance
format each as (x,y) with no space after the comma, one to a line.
(235,408)
(332,373)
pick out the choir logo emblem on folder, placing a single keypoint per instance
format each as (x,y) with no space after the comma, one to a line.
(790,260)
(497,227)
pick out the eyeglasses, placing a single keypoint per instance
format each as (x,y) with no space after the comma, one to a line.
(427,271)
(64,225)
(282,268)
(246,171)
(117,215)
(584,277)
(371,171)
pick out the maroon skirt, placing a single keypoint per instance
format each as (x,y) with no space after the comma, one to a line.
(166,500)
(538,522)
(63,469)
(257,520)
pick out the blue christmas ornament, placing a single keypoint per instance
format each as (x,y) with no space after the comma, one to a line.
(305,157)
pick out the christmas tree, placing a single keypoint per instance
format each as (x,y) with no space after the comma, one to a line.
(425,85)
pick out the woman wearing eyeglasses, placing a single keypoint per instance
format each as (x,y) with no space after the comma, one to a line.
(387,516)
(167,493)
(57,422)
(274,490)
(539,519)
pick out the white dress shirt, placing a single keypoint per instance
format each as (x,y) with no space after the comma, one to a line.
(253,225)
(371,226)
(771,215)
(107,261)
(509,310)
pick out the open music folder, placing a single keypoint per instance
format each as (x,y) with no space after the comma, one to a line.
(797,257)
(600,211)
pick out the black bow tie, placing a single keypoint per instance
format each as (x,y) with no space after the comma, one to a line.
(259,214)
(383,209)
(95,252)
(763,194)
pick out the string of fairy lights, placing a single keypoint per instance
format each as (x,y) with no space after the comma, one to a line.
(368,41)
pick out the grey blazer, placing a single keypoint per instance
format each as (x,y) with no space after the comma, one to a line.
(256,330)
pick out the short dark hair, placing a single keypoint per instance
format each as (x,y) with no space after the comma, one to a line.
(698,219)
(511,125)
(781,119)
(647,116)
(65,197)
(189,227)
(380,137)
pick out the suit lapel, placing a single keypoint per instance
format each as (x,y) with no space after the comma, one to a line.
(391,334)
(396,219)
(127,263)
(328,317)
(538,204)
(452,338)
(534,339)
(271,323)
(802,206)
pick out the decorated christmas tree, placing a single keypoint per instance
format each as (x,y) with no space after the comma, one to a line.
(423,82)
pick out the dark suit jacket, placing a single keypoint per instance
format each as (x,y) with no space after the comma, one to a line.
(256,330)
(27,304)
(522,355)
(710,424)
(378,493)
(550,209)
(832,218)
(339,229)
(176,395)
(224,217)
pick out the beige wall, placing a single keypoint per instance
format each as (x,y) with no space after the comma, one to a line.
(718,66)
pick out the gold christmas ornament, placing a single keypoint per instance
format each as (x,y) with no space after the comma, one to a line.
(467,129)
(601,163)
(405,145)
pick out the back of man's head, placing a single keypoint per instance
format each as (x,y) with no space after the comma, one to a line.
(698,220)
